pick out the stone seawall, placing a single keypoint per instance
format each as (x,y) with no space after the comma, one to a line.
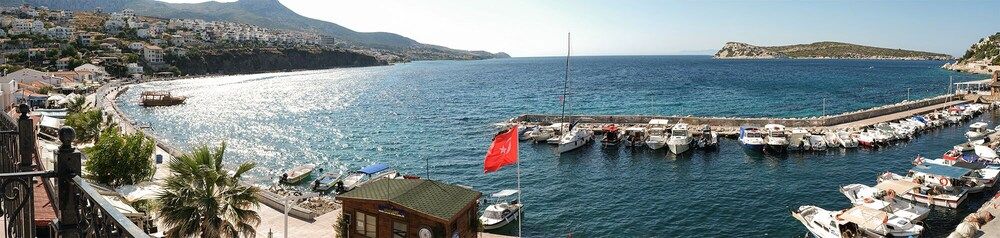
(825,121)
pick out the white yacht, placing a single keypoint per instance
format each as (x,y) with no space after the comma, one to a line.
(680,138)
(504,209)
(978,131)
(657,135)
(576,138)
(859,221)
(777,139)
(883,197)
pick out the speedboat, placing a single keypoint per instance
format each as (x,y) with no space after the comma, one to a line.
(752,139)
(708,139)
(635,136)
(576,138)
(817,142)
(924,191)
(365,175)
(866,139)
(523,134)
(680,138)
(797,139)
(612,135)
(295,175)
(887,131)
(832,140)
(326,182)
(543,133)
(982,174)
(777,140)
(885,199)
(978,131)
(858,221)
(845,139)
(504,209)
(657,134)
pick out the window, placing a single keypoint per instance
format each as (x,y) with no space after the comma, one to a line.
(398,230)
(366,224)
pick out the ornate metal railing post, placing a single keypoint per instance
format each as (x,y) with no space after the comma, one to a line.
(18,194)
(68,166)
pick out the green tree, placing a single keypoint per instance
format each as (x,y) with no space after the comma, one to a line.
(118,159)
(88,124)
(45,89)
(76,104)
(201,199)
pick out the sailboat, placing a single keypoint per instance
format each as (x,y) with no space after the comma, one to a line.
(574,137)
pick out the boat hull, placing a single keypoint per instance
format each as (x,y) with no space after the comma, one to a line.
(754,147)
(679,148)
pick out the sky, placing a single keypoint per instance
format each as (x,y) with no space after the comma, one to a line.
(650,27)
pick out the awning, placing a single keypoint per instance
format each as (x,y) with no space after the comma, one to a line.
(132,193)
(375,168)
(50,122)
(505,193)
(898,186)
(659,122)
(941,170)
(865,217)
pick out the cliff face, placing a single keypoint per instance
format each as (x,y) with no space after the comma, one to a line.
(983,57)
(245,61)
(738,50)
(823,50)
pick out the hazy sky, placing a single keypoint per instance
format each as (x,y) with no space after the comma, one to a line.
(649,27)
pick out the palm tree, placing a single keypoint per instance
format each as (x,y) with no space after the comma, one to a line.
(76,104)
(203,199)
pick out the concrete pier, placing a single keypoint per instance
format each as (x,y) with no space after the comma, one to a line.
(730,125)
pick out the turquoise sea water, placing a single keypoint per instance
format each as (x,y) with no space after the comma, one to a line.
(439,113)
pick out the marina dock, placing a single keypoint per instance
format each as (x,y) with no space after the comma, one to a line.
(729,126)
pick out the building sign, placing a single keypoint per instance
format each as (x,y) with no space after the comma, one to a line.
(392,211)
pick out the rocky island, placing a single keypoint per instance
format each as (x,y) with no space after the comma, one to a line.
(822,50)
(983,57)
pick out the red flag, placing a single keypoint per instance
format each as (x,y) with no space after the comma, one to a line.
(502,152)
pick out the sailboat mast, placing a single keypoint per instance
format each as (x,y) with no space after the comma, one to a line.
(566,80)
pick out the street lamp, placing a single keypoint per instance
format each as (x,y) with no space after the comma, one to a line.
(287,207)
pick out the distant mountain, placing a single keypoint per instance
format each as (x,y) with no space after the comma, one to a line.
(266,13)
(982,57)
(826,49)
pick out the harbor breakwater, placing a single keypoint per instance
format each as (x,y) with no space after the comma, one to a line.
(812,122)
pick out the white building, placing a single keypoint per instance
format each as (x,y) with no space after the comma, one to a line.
(153,54)
(62,33)
(136,46)
(133,68)
(143,33)
(7,88)
(31,75)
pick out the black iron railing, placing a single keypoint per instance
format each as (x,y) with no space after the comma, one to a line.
(79,209)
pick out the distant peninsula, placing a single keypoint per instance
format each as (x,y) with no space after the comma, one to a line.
(983,57)
(822,50)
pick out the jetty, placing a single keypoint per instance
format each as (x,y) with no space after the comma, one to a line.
(729,126)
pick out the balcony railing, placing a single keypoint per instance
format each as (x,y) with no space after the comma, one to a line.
(79,209)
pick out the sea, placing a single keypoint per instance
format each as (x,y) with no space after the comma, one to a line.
(435,119)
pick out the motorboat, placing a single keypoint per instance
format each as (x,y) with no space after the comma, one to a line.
(858,221)
(885,200)
(297,174)
(866,139)
(708,139)
(923,191)
(543,133)
(797,139)
(504,208)
(903,131)
(612,135)
(326,182)
(680,138)
(657,135)
(981,173)
(777,139)
(635,136)
(752,139)
(817,142)
(887,132)
(576,138)
(524,135)
(978,131)
(365,175)
(832,140)
(846,140)
(946,175)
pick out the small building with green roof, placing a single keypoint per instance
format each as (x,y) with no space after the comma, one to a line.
(411,208)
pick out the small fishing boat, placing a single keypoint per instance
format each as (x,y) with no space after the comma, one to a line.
(524,134)
(846,140)
(752,139)
(709,138)
(858,221)
(982,174)
(798,139)
(680,138)
(978,131)
(612,135)
(365,175)
(832,140)
(817,142)
(866,139)
(159,98)
(576,138)
(295,175)
(543,133)
(924,191)
(885,200)
(777,140)
(635,136)
(326,182)
(504,209)
(657,135)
